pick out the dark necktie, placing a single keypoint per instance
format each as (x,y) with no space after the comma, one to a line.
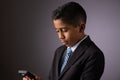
(67,55)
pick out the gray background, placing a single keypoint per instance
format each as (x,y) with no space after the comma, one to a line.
(28,39)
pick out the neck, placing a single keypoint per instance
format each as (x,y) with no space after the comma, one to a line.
(82,36)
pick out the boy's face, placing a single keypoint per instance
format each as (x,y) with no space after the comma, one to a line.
(68,34)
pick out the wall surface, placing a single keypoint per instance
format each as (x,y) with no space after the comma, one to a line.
(28,39)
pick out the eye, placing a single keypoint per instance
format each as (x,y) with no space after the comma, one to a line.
(64,30)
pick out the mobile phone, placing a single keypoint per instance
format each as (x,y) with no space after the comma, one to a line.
(24,73)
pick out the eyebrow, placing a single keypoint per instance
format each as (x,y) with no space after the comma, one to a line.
(64,27)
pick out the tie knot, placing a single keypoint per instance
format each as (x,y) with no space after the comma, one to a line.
(69,51)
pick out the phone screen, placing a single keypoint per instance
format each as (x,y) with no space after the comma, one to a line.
(24,73)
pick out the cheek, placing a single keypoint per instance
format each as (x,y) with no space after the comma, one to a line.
(70,37)
(67,36)
(73,37)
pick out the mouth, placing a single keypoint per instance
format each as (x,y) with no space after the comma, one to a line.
(64,42)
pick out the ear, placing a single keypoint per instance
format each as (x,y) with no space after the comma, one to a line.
(82,27)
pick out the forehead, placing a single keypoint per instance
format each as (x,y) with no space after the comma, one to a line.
(60,24)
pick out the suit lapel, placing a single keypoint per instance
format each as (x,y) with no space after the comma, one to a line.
(58,59)
(76,55)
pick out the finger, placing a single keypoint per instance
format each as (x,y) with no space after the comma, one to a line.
(26,78)
(38,78)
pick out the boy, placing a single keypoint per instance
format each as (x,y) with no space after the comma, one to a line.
(78,58)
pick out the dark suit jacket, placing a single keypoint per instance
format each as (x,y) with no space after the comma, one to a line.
(86,63)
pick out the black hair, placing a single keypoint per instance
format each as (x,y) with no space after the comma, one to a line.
(70,13)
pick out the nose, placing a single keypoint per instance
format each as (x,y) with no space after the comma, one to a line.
(61,35)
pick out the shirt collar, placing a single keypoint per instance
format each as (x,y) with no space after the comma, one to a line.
(76,45)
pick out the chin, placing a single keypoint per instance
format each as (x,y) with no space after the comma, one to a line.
(67,45)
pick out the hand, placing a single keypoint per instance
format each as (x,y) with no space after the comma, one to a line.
(27,78)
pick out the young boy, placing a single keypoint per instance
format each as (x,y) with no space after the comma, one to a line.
(78,58)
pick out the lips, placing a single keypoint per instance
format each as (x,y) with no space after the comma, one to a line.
(64,42)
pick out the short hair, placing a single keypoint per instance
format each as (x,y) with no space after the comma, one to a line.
(70,13)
